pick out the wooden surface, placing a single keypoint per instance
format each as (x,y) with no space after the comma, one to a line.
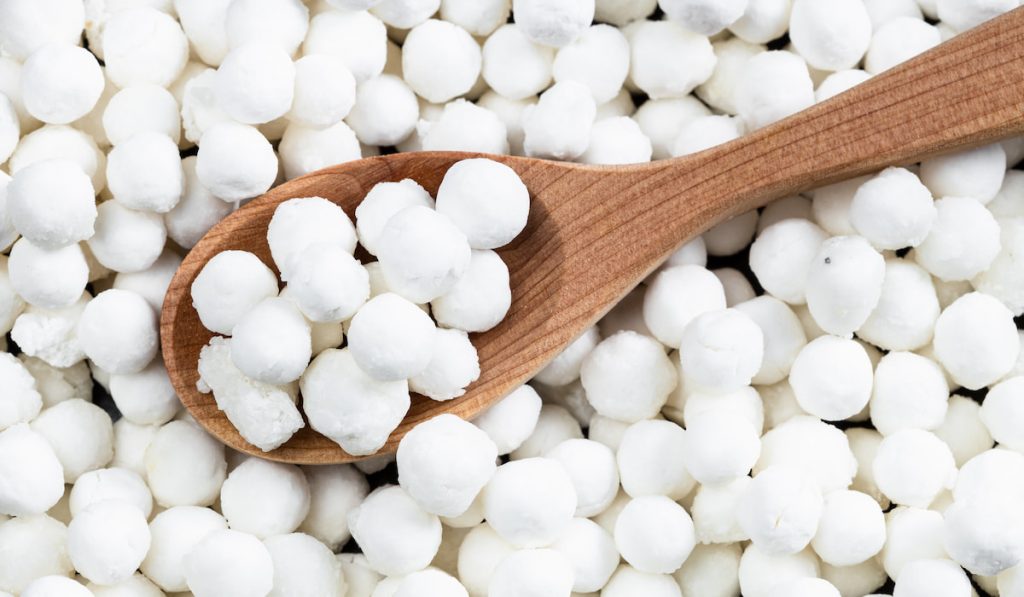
(595,232)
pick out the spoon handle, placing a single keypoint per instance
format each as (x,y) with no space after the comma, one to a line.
(966,92)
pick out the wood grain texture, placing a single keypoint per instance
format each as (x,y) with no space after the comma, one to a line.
(595,232)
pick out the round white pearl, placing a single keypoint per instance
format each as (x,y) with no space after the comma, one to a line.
(592,553)
(281,22)
(1002,414)
(271,343)
(706,17)
(385,112)
(143,45)
(356,37)
(50,279)
(814,447)
(486,200)
(480,553)
(628,377)
(599,59)
(851,529)
(654,534)
(300,223)
(425,464)
(327,283)
(453,366)
(963,429)
(60,83)
(23,402)
(1000,279)
(832,378)
(553,23)
(107,541)
(783,337)
(617,140)
(555,424)
(760,573)
(463,126)
(390,338)
(558,126)
(964,15)
(384,200)
(510,421)
(662,120)
(932,578)
(837,83)
(629,581)
(184,466)
(712,569)
(909,392)
(844,284)
(899,40)
(889,226)
(771,86)
(255,83)
(651,41)
(235,161)
(325,91)
(334,492)
(985,536)
(676,297)
(479,18)
(530,502)
(965,223)
(422,253)
(430,582)
(141,108)
(565,368)
(35,473)
(904,318)
(265,498)
(395,534)
(360,419)
(52,204)
(721,351)
(977,173)
(229,561)
(405,14)
(229,285)
(830,37)
(538,572)
(720,447)
(203,23)
(175,532)
(118,484)
(976,340)
(41,542)
(26,25)
(594,473)
(762,21)
(912,466)
(714,513)
(55,586)
(196,212)
(144,173)
(641,470)
(782,258)
(780,510)
(440,61)
(118,331)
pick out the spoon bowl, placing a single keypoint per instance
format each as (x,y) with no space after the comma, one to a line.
(594,233)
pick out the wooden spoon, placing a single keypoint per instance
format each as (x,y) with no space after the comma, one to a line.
(594,233)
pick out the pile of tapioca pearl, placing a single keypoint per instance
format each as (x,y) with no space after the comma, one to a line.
(690,384)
